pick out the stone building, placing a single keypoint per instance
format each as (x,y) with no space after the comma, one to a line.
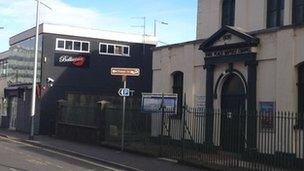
(248,56)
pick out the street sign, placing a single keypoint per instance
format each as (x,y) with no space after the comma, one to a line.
(125,71)
(124,92)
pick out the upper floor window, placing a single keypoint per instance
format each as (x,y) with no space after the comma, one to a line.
(228,12)
(3,68)
(72,45)
(275,13)
(298,12)
(114,49)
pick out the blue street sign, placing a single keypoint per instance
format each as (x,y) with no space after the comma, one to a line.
(124,92)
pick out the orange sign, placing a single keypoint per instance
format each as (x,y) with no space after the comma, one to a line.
(125,71)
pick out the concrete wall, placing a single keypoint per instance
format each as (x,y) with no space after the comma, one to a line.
(249,15)
(185,58)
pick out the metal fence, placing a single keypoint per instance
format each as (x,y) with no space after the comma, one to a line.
(239,139)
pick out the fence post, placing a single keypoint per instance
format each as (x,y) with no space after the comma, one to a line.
(162,125)
(183,126)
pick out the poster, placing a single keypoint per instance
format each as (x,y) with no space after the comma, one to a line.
(200,102)
(151,102)
(267,110)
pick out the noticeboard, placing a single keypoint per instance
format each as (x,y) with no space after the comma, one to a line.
(151,102)
(267,110)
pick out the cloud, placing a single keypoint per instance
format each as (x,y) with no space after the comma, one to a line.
(23,12)
(19,15)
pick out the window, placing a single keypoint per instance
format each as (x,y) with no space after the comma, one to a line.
(298,12)
(178,88)
(103,48)
(110,48)
(118,50)
(275,13)
(3,68)
(69,45)
(114,49)
(126,51)
(77,45)
(228,12)
(85,46)
(60,44)
(72,45)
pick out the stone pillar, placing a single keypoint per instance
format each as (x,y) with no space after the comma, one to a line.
(252,104)
(209,104)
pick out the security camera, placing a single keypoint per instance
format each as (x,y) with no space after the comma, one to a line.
(50,80)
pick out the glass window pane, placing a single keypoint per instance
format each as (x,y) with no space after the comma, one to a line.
(85,46)
(77,45)
(103,48)
(69,45)
(110,49)
(60,44)
(118,50)
(228,12)
(126,50)
(299,14)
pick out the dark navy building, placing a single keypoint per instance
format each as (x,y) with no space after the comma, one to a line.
(74,68)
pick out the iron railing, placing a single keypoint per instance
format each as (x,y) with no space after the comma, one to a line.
(240,139)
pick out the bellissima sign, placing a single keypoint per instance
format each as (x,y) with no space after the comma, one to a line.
(80,61)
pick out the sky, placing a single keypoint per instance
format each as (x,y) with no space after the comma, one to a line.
(115,15)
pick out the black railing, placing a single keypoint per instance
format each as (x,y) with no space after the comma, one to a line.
(246,140)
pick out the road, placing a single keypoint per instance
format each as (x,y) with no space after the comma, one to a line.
(16,156)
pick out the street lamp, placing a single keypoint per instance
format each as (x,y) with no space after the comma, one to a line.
(157,21)
(144,31)
(33,106)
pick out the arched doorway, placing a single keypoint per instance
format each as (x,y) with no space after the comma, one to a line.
(233,96)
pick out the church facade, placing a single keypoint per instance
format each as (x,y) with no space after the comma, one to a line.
(248,58)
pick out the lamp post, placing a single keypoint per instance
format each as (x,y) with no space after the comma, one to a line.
(157,21)
(144,31)
(33,105)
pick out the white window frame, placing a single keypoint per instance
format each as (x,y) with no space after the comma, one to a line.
(114,54)
(72,50)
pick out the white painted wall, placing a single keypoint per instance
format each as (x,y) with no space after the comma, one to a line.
(249,15)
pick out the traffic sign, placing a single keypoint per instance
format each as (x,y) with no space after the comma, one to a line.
(124,92)
(125,71)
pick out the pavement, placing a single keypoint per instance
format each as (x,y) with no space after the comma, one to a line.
(17,156)
(104,156)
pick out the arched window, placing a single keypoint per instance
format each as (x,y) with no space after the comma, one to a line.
(275,13)
(178,88)
(228,12)
(298,12)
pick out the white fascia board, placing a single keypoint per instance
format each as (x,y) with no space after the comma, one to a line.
(84,32)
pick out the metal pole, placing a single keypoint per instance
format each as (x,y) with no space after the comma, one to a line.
(155,25)
(183,126)
(144,46)
(124,79)
(35,74)
(162,124)
(154,28)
